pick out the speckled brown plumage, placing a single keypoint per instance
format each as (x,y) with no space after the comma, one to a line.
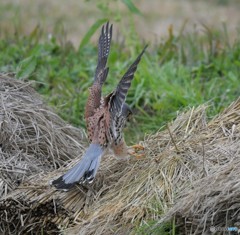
(104,117)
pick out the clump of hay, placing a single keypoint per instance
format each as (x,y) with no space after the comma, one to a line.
(179,162)
(32,138)
(213,201)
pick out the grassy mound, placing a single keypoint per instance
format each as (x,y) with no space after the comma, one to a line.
(212,200)
(190,172)
(33,139)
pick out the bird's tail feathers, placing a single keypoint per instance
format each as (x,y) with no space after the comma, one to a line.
(83,171)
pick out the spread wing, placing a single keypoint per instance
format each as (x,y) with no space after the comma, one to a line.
(103,52)
(119,95)
(101,72)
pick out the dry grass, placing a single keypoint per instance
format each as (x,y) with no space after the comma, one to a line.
(213,200)
(191,167)
(32,139)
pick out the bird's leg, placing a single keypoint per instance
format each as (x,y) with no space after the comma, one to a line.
(133,151)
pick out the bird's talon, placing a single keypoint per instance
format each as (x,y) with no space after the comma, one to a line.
(136,155)
(134,149)
(137,147)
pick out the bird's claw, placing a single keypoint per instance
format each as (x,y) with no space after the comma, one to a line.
(136,148)
(136,155)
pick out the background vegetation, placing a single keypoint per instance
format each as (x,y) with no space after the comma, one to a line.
(182,70)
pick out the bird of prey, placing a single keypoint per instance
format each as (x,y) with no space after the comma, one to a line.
(105,118)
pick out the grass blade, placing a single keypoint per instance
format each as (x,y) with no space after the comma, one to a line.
(26,67)
(132,7)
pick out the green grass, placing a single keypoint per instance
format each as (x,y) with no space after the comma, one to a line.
(182,71)
(152,228)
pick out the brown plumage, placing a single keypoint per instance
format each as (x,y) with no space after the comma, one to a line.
(105,117)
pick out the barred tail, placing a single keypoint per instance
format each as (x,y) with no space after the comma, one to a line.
(84,171)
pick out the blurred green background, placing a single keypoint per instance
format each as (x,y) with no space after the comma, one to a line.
(192,58)
(152,24)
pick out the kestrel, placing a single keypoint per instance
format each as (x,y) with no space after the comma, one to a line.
(105,118)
